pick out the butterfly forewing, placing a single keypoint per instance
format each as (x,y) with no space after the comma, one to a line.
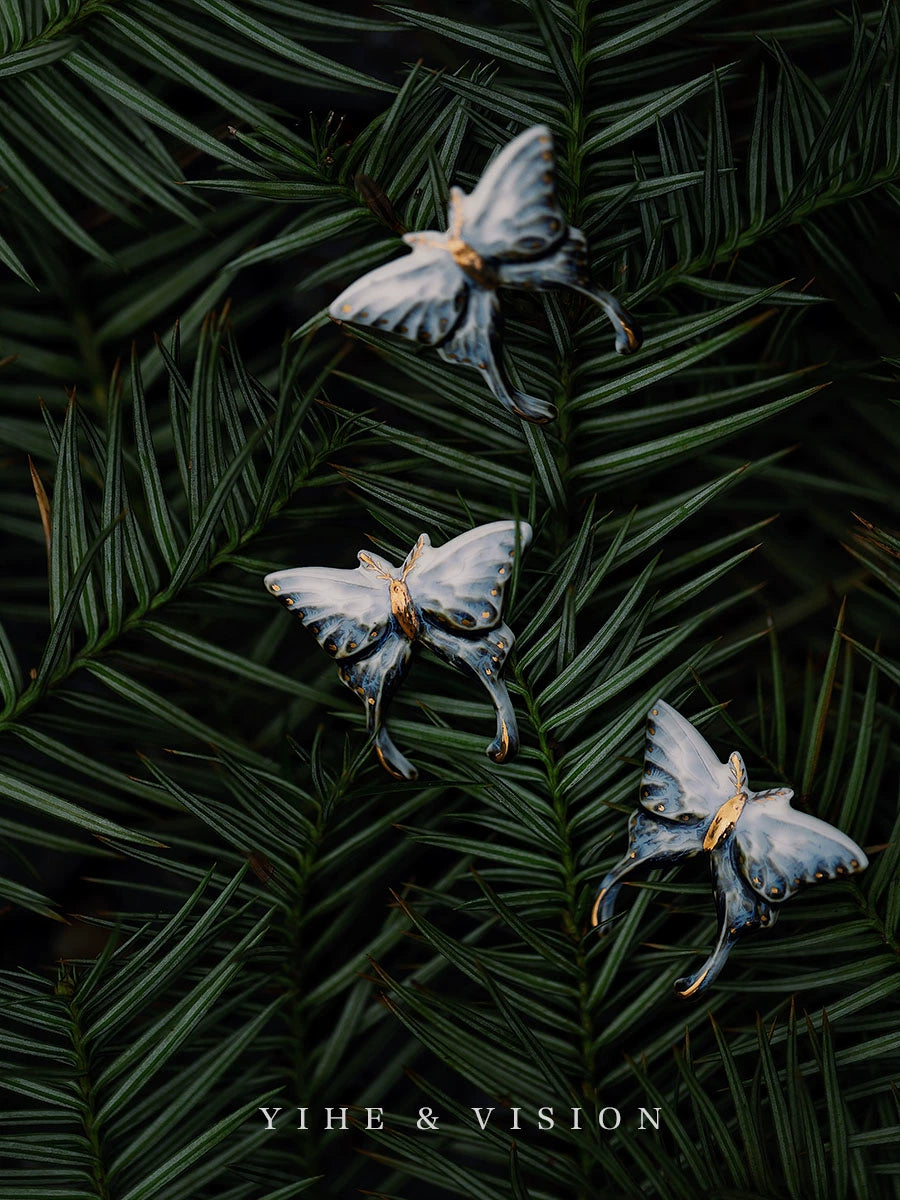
(513,212)
(347,611)
(682,777)
(421,296)
(782,848)
(460,585)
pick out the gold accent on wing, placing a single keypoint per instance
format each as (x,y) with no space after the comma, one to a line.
(634,342)
(595,920)
(384,762)
(697,982)
(724,820)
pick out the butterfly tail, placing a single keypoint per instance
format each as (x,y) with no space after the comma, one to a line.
(605,901)
(375,679)
(483,657)
(476,343)
(739,911)
(629,335)
(531,408)
(389,756)
(567,267)
(651,842)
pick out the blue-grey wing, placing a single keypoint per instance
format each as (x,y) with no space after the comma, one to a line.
(683,779)
(476,343)
(566,266)
(421,296)
(781,848)
(347,611)
(513,212)
(460,585)
(652,842)
(739,910)
(375,679)
(481,655)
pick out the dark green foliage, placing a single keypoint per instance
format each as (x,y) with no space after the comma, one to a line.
(246,911)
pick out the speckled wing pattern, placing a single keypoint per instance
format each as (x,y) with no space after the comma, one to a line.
(508,232)
(450,598)
(761,849)
(347,612)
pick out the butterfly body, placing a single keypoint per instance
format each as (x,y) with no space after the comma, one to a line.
(761,849)
(448,598)
(508,232)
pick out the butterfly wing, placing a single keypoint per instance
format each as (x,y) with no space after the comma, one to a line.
(459,586)
(682,779)
(651,843)
(347,611)
(739,910)
(476,343)
(421,296)
(375,679)
(513,212)
(781,848)
(458,590)
(349,614)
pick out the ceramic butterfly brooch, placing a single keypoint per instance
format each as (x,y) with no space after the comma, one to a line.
(448,598)
(761,850)
(508,232)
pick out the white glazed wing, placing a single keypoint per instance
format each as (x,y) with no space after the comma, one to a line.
(683,778)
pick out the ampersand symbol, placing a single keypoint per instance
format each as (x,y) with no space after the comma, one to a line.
(426,1120)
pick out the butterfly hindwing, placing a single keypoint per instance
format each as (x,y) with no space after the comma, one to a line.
(782,848)
(566,266)
(347,611)
(421,296)
(739,910)
(513,212)
(650,843)
(375,679)
(482,656)
(459,586)
(683,779)
(476,343)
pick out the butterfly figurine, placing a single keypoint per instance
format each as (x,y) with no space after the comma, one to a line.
(761,850)
(448,598)
(508,232)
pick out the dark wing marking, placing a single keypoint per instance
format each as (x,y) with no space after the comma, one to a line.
(482,657)
(682,779)
(513,212)
(459,586)
(421,296)
(781,848)
(347,611)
